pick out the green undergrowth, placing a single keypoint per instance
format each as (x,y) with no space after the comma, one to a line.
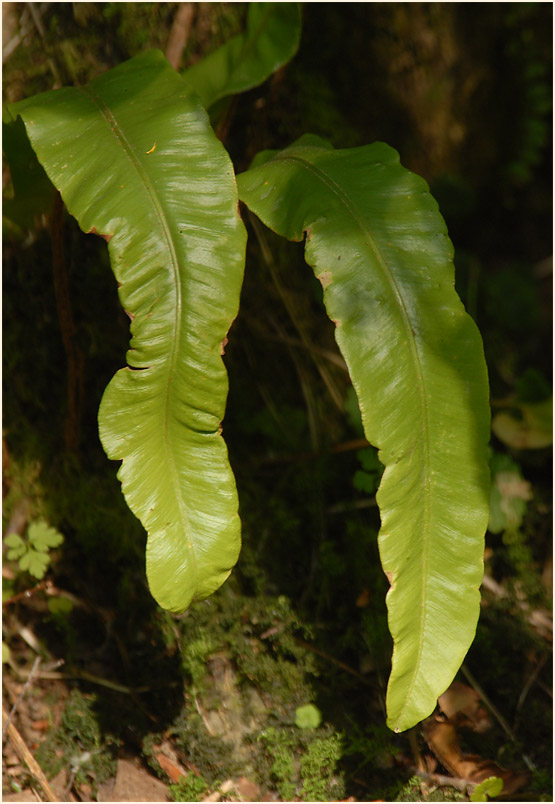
(300,765)
(249,670)
(246,677)
(414,790)
(78,745)
(190,788)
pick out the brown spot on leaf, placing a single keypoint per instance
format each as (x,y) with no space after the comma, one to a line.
(224,344)
(106,237)
(325,278)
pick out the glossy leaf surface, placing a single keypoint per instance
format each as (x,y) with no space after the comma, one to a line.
(245,61)
(136,161)
(379,246)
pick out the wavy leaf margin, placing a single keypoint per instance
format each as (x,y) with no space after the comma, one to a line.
(136,161)
(379,246)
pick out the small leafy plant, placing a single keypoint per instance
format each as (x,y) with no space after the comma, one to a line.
(136,161)
(489,788)
(32,553)
(189,788)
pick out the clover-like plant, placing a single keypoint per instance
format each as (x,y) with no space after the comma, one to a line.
(33,552)
(135,159)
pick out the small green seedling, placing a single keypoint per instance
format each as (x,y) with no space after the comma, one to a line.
(32,554)
(489,788)
(308,717)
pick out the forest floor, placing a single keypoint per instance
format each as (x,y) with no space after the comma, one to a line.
(240,699)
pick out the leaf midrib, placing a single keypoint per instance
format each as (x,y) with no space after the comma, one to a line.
(338,191)
(131,154)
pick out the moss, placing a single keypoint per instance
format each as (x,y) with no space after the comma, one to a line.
(278,746)
(318,770)
(298,763)
(194,656)
(258,635)
(191,788)
(78,744)
(412,791)
(209,753)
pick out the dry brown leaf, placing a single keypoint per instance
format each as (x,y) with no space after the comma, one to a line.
(134,783)
(248,790)
(441,736)
(461,705)
(41,725)
(170,766)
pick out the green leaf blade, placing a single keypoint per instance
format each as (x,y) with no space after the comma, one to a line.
(17,546)
(43,537)
(35,563)
(247,60)
(136,161)
(378,245)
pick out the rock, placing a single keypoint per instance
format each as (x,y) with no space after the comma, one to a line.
(134,783)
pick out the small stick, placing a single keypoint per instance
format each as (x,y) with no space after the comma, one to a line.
(339,663)
(26,756)
(527,687)
(21,694)
(492,708)
(344,446)
(445,781)
(26,594)
(179,33)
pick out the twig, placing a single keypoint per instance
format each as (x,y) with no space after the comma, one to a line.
(222,790)
(327,354)
(37,20)
(26,594)
(9,25)
(445,781)
(104,682)
(354,505)
(339,663)
(27,636)
(415,751)
(74,355)
(327,378)
(179,33)
(21,694)
(540,621)
(26,756)
(492,708)
(527,687)
(344,446)
(19,517)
